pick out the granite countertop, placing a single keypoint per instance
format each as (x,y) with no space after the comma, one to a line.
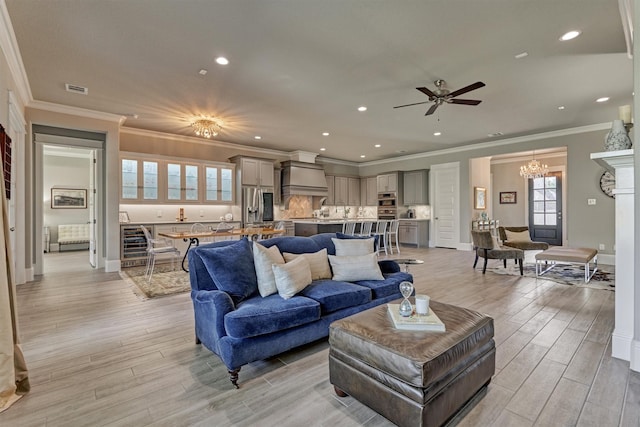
(174,222)
(342,221)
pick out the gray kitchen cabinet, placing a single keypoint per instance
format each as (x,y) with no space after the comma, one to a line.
(369,191)
(415,188)
(388,182)
(414,233)
(353,197)
(330,190)
(255,172)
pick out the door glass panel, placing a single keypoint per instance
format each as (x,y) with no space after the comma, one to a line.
(550,182)
(173,181)
(550,207)
(129,179)
(538,219)
(227,185)
(211,175)
(538,194)
(150,180)
(191,181)
(550,219)
(550,194)
(538,207)
(538,183)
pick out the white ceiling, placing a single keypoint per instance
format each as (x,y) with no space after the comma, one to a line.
(302,67)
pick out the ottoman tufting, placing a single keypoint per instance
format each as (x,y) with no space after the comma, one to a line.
(413,378)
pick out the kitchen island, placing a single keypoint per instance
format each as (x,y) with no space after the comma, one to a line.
(312,226)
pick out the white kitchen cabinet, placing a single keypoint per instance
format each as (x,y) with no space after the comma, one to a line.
(330,190)
(341,191)
(353,198)
(415,188)
(414,233)
(369,191)
(256,172)
(388,182)
(140,180)
(149,180)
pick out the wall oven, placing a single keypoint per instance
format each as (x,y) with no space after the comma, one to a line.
(387,206)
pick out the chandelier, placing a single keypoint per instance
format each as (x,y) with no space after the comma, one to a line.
(534,169)
(207,127)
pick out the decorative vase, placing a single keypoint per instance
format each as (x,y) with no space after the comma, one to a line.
(617,138)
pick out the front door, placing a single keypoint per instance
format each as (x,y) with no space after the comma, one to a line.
(545,208)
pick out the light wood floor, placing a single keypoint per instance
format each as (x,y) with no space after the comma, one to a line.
(98,355)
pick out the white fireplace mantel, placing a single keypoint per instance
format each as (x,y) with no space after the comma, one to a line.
(622,340)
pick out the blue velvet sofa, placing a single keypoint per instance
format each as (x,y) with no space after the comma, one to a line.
(240,326)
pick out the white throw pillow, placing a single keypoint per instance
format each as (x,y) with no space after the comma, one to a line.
(292,277)
(318,262)
(350,247)
(518,236)
(263,259)
(357,267)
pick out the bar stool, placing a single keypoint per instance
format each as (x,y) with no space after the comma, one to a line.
(393,233)
(381,232)
(365,228)
(349,227)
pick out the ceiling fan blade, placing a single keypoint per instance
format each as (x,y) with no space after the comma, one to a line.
(409,105)
(464,101)
(476,85)
(432,110)
(427,92)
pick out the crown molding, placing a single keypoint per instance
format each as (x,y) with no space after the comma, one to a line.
(201,141)
(75,111)
(491,144)
(527,156)
(9,46)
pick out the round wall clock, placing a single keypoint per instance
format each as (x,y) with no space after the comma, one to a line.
(608,183)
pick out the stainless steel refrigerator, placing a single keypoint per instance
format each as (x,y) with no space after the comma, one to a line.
(257,205)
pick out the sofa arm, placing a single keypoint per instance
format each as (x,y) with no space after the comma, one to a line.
(388,266)
(209,309)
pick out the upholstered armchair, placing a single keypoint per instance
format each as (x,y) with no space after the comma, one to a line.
(487,247)
(525,243)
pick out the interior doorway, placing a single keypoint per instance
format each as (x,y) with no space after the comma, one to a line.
(76,178)
(545,208)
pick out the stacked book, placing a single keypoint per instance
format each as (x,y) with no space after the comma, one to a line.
(415,322)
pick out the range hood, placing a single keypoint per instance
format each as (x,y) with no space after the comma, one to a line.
(303,179)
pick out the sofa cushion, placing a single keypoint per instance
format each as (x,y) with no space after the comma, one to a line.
(292,244)
(318,261)
(258,316)
(349,247)
(333,295)
(264,258)
(199,277)
(292,277)
(352,268)
(388,286)
(518,236)
(232,269)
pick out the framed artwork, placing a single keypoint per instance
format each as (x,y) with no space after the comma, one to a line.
(68,198)
(508,197)
(480,198)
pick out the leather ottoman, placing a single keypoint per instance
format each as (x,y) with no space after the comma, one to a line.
(413,378)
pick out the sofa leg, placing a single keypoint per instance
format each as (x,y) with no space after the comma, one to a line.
(198,342)
(233,377)
(521,270)
(476,261)
(504,261)
(339,392)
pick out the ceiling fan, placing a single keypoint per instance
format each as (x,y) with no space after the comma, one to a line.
(442,95)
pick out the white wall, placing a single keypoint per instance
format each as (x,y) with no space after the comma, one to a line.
(70,172)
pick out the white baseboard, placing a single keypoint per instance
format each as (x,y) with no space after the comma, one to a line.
(635,356)
(608,259)
(111,265)
(621,346)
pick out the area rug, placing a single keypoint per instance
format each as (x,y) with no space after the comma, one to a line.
(165,281)
(568,274)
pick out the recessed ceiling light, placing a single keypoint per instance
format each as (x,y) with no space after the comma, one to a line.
(377,145)
(570,35)
(362,156)
(257,137)
(202,72)
(362,108)
(325,133)
(522,55)
(603,99)
(437,133)
(323,149)
(561,107)
(222,60)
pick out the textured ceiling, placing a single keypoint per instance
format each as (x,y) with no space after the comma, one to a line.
(302,67)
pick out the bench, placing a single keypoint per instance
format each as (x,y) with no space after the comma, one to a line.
(568,256)
(73,237)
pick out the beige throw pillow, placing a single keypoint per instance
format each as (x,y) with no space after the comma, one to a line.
(518,236)
(353,268)
(263,259)
(318,262)
(496,243)
(350,247)
(292,277)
